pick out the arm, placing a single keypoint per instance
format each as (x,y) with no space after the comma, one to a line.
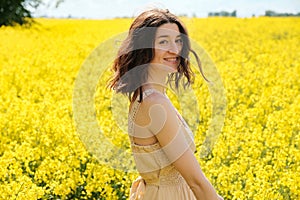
(190,169)
(170,136)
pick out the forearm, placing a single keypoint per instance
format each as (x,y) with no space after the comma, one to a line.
(205,191)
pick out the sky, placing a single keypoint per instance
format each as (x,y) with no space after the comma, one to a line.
(105,9)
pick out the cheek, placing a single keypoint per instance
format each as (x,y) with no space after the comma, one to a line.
(158,54)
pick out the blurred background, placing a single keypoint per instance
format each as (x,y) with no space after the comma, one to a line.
(199,8)
(103,9)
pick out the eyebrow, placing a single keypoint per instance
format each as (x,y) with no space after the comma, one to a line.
(167,36)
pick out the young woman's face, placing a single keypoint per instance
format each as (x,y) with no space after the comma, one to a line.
(167,46)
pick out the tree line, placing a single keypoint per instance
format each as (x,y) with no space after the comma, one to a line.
(271,13)
(14,12)
(268,13)
(222,14)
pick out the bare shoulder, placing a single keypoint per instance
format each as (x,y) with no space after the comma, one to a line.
(158,108)
(156,99)
(161,116)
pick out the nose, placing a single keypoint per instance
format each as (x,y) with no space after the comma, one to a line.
(173,48)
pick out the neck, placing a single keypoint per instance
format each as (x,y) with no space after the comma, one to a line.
(156,79)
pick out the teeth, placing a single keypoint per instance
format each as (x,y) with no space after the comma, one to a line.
(171,59)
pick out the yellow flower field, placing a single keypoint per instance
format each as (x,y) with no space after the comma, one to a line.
(256,156)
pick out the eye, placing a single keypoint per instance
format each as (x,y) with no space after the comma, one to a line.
(179,41)
(163,42)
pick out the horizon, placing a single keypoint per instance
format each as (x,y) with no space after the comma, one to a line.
(100,9)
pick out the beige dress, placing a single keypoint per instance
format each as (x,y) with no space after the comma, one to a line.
(165,183)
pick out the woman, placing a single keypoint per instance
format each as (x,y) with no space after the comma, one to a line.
(155,53)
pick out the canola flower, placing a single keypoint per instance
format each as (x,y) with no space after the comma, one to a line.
(256,155)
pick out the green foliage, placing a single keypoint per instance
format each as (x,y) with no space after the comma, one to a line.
(14,12)
(271,13)
(222,14)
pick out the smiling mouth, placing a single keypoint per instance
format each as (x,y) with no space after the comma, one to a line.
(172,59)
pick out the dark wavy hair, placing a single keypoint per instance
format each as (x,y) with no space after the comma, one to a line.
(137,51)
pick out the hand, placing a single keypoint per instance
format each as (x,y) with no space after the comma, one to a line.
(220,198)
